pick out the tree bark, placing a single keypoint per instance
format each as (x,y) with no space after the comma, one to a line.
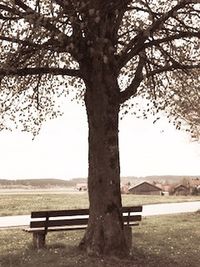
(105,232)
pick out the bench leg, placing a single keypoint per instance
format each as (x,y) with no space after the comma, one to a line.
(128,236)
(39,240)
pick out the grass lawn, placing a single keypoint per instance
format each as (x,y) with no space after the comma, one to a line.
(171,240)
(16,204)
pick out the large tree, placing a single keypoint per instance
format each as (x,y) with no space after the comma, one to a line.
(110,51)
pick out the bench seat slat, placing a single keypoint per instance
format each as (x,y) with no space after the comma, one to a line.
(55,229)
(71,228)
(51,223)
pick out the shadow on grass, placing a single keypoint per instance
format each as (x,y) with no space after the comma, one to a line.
(150,248)
(59,254)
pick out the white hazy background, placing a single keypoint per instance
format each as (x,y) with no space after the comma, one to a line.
(60,150)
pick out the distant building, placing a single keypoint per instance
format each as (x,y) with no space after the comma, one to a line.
(125,188)
(145,188)
(195,182)
(181,190)
(167,189)
(81,186)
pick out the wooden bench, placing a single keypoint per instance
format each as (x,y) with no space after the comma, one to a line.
(43,222)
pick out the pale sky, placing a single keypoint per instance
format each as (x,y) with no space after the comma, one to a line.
(60,150)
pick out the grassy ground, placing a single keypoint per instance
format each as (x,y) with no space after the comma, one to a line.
(171,240)
(15,204)
(25,203)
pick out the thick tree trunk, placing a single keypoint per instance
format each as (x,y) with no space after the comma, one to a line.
(105,232)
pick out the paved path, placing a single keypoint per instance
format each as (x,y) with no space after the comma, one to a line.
(14,221)
(148,210)
(170,208)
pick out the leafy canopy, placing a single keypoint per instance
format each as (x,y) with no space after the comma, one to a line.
(152,46)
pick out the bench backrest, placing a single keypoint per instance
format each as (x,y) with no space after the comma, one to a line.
(76,217)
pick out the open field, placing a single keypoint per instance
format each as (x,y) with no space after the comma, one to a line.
(24,203)
(170,241)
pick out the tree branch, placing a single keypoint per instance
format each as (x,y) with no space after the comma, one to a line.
(180,35)
(137,44)
(18,41)
(131,90)
(172,68)
(51,44)
(71,11)
(9,9)
(43,21)
(40,71)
